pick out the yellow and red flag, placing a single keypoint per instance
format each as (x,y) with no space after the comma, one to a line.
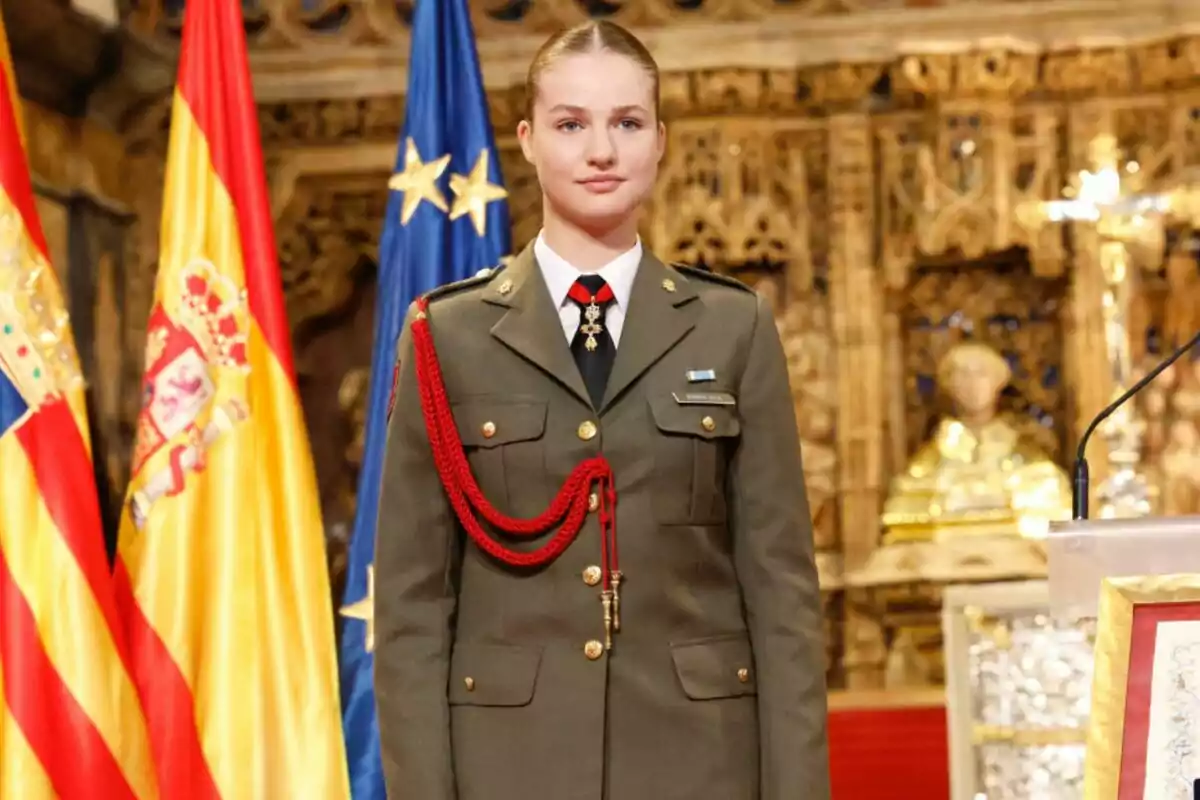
(221,571)
(70,721)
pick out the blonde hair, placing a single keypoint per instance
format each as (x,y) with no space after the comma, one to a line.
(588,37)
(995,364)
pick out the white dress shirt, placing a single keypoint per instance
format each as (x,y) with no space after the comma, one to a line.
(560,275)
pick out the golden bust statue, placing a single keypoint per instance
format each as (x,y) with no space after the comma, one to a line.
(976,476)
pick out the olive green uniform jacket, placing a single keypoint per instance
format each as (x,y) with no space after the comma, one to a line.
(488,680)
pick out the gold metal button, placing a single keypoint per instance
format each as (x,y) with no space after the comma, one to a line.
(668,284)
(708,423)
(744,675)
(488,429)
(593,501)
(587,430)
(591,575)
(593,650)
(505,287)
(469,683)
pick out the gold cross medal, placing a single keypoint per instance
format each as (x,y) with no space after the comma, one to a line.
(591,314)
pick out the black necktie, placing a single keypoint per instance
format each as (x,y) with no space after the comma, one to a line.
(592,346)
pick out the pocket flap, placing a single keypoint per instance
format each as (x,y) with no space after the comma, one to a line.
(704,421)
(493,674)
(491,422)
(715,667)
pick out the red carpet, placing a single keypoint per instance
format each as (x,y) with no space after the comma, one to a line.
(884,747)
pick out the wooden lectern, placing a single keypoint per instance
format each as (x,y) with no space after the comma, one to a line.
(1140,580)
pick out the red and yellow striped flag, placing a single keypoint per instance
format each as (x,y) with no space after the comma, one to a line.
(221,572)
(70,722)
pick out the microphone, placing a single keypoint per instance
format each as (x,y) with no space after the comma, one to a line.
(1079,495)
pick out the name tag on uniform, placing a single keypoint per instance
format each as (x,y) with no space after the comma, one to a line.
(701,375)
(704,398)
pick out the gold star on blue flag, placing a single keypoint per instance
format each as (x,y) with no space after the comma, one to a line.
(364,610)
(473,192)
(446,148)
(418,181)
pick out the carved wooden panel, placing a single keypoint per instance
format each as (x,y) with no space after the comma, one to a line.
(743,192)
(327,232)
(951,181)
(329,122)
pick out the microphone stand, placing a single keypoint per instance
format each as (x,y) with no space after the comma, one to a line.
(1079,493)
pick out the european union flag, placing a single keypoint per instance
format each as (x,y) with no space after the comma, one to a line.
(447,219)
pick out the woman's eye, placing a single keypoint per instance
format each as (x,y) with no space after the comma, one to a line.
(569,125)
(630,124)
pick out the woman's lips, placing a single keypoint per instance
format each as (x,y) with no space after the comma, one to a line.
(602,184)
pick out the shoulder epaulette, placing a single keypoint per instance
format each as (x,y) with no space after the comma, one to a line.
(478,279)
(706,274)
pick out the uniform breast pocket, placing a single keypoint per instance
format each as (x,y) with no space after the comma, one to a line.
(504,441)
(691,453)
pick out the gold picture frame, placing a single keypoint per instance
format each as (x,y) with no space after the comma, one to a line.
(1112,768)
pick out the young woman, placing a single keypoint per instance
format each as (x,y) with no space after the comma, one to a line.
(594,569)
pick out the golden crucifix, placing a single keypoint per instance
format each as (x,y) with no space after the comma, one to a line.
(1097,197)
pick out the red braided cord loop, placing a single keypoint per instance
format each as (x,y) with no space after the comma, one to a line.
(569,506)
(608,523)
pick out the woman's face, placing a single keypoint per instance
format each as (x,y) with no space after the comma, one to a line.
(594,138)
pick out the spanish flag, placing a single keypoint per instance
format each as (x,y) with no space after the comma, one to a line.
(221,570)
(70,722)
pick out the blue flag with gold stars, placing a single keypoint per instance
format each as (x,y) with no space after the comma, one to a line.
(447,218)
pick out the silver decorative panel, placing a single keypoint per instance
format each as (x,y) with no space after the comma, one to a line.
(1018,693)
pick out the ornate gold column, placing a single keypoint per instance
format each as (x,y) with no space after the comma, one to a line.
(856,302)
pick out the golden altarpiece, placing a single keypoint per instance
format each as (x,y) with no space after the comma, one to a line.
(880,169)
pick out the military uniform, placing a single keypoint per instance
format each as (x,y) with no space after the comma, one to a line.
(494,682)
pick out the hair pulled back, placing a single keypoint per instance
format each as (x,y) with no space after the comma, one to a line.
(588,37)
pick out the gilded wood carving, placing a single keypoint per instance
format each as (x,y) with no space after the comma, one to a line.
(875,202)
(284,23)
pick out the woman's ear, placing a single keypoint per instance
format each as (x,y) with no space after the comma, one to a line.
(662,139)
(525,137)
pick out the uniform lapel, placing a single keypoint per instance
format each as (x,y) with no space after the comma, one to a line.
(531,327)
(662,309)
